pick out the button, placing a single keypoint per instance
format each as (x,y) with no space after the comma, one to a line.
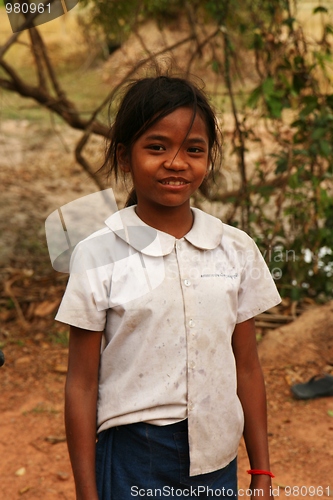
(190,406)
(187,282)
(192,364)
(191,323)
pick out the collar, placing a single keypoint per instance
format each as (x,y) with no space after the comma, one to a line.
(205,234)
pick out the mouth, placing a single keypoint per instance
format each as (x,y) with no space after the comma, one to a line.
(174,182)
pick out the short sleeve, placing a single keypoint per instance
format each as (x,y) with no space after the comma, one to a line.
(257,291)
(79,305)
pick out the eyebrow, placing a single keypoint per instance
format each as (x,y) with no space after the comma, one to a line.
(191,140)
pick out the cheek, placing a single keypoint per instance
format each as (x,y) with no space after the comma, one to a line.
(140,177)
(143,168)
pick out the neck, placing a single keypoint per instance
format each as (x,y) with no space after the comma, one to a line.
(176,221)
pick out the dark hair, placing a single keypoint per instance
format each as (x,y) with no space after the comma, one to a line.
(148,100)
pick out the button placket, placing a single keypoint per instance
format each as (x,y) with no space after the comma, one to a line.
(190,323)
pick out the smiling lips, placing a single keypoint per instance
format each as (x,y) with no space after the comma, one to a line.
(174,182)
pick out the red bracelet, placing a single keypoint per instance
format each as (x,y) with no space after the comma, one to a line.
(258,471)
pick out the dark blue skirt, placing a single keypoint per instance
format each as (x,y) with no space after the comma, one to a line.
(146,461)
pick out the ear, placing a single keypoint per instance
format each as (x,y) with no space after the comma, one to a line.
(209,169)
(123,158)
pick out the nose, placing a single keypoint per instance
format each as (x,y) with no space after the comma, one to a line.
(176,162)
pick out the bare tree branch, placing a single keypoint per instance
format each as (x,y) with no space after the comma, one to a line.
(238,139)
(200,47)
(62,107)
(82,160)
(38,56)
(60,93)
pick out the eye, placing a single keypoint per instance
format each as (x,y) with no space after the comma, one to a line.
(194,149)
(156,147)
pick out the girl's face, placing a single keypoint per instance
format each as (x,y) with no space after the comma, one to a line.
(168,162)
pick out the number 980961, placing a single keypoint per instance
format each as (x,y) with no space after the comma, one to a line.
(27,8)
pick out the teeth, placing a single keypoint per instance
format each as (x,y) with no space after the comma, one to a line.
(174,183)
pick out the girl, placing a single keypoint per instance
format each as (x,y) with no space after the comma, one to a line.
(161,305)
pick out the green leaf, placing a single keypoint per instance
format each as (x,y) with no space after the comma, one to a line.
(215,66)
(289,22)
(298,61)
(265,191)
(268,86)
(281,165)
(293,181)
(299,81)
(329,29)
(325,148)
(279,93)
(300,123)
(295,294)
(318,133)
(313,150)
(330,413)
(329,100)
(311,103)
(308,109)
(300,152)
(258,42)
(254,97)
(284,81)
(320,8)
(275,107)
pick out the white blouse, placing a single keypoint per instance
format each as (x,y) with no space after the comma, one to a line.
(168,309)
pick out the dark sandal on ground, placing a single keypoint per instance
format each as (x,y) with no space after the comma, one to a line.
(316,387)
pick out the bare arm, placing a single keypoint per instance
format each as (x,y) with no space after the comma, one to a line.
(81,393)
(252,394)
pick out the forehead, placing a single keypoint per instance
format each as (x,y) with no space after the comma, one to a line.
(180,122)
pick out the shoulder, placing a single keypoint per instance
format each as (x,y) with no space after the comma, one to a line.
(235,234)
(206,232)
(203,217)
(241,246)
(95,241)
(112,224)
(215,228)
(209,233)
(103,247)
